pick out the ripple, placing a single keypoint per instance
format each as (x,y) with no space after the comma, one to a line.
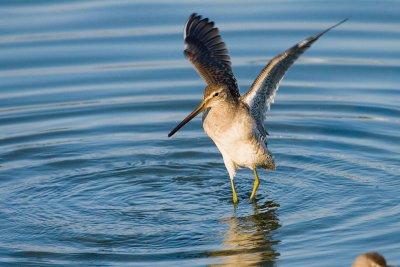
(88,176)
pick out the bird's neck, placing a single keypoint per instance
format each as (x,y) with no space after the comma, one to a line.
(219,118)
(226,108)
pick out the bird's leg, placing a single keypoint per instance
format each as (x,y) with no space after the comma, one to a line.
(234,196)
(231,167)
(256,183)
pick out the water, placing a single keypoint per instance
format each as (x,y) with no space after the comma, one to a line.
(90,89)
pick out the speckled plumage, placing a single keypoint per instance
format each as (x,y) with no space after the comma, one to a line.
(235,123)
(263,90)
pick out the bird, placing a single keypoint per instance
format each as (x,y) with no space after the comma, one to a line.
(371,259)
(235,122)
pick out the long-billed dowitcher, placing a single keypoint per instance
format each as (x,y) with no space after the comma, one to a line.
(235,123)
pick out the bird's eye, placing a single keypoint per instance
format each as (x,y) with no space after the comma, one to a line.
(216,94)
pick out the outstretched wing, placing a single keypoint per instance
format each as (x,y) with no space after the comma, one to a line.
(262,92)
(206,50)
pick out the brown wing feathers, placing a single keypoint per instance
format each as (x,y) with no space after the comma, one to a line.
(207,51)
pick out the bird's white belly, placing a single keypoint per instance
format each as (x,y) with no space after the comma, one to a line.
(241,153)
(237,143)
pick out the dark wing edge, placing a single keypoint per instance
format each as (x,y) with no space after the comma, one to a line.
(263,90)
(206,50)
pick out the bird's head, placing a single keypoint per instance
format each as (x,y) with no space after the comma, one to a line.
(214,95)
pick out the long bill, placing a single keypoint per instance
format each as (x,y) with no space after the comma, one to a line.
(194,113)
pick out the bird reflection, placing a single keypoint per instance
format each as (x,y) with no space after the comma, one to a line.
(250,238)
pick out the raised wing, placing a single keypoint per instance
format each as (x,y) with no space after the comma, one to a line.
(206,50)
(262,92)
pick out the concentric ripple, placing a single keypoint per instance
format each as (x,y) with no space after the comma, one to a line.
(90,89)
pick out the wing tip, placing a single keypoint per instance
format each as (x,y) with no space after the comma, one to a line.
(202,32)
(194,21)
(307,42)
(332,27)
(194,17)
(339,23)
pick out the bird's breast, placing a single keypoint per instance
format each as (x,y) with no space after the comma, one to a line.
(235,137)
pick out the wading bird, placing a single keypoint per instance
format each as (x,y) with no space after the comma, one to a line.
(235,123)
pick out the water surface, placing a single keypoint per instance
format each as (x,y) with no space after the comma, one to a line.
(90,89)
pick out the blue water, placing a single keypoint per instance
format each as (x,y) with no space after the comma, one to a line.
(90,89)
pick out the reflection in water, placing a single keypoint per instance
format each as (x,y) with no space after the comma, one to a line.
(250,238)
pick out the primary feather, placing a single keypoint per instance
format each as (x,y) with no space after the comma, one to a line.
(207,52)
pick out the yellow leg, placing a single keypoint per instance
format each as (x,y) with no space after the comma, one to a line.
(234,196)
(256,183)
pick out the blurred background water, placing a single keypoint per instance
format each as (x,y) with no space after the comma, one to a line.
(90,89)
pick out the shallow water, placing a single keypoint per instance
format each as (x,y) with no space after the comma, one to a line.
(90,89)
